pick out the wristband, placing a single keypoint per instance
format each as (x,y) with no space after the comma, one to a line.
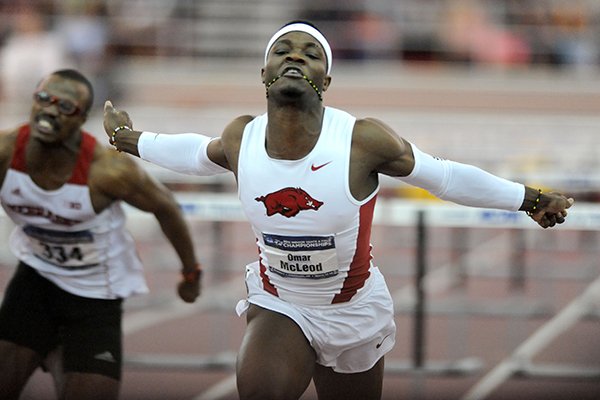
(535,203)
(192,276)
(119,128)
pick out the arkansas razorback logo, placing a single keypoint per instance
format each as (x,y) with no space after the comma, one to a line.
(289,202)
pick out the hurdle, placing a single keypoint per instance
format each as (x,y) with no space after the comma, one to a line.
(225,207)
(519,362)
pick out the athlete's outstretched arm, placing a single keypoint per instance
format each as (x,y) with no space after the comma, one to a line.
(460,183)
(189,153)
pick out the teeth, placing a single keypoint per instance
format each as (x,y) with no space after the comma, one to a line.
(45,124)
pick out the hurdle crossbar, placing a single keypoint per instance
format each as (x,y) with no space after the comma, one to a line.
(519,360)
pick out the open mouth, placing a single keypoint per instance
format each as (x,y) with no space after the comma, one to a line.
(46,125)
(292,72)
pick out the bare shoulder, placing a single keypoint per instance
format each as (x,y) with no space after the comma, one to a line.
(120,176)
(8,139)
(112,171)
(377,144)
(375,136)
(231,140)
(109,161)
(235,129)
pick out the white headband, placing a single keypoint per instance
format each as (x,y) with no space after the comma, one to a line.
(300,27)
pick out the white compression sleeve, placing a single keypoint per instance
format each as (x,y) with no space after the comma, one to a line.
(182,152)
(464,184)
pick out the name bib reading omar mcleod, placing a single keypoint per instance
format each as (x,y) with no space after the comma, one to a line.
(311,257)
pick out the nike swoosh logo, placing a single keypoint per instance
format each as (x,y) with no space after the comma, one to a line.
(106,356)
(382,340)
(317,167)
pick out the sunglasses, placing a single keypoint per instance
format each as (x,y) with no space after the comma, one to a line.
(65,107)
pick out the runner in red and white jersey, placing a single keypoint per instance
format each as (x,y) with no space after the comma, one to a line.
(76,261)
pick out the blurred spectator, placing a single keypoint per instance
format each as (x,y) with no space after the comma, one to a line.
(574,41)
(83,27)
(375,36)
(530,19)
(30,52)
(370,34)
(137,25)
(470,32)
(561,33)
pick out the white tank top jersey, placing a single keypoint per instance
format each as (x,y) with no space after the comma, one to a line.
(60,235)
(313,237)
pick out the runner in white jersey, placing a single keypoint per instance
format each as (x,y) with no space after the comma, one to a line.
(76,261)
(317,307)
(286,199)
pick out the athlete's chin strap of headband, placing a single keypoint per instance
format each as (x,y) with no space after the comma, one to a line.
(310,82)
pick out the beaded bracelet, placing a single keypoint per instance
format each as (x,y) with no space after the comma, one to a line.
(119,128)
(192,276)
(535,203)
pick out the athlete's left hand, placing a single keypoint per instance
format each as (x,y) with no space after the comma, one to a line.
(552,209)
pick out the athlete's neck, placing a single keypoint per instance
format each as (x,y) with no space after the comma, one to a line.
(292,134)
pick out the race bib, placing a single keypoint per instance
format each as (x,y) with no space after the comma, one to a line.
(70,250)
(311,257)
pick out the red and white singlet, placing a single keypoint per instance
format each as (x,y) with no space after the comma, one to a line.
(60,235)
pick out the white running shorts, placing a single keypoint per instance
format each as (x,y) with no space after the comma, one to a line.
(348,337)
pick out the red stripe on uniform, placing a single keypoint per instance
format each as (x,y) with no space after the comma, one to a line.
(359,267)
(18,158)
(267,285)
(82,166)
(84,161)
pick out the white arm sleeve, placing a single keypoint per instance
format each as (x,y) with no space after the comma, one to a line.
(464,184)
(182,152)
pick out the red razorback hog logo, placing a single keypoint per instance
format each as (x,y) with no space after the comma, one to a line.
(289,202)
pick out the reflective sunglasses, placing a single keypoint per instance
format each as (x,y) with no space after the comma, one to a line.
(65,107)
